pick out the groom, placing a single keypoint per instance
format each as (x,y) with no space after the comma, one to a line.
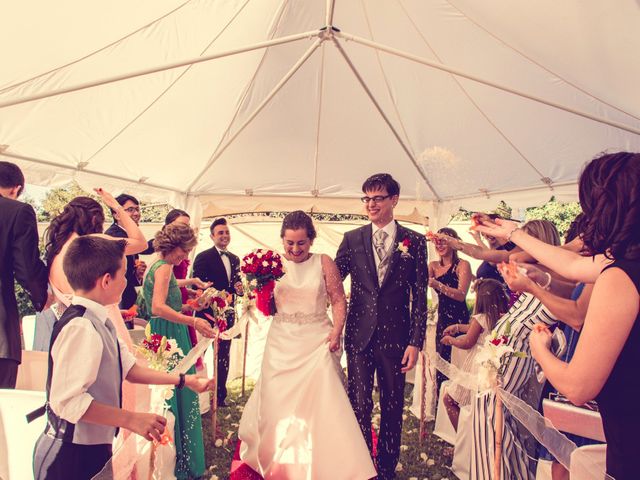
(386,322)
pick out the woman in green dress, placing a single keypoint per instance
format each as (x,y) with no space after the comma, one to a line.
(173,244)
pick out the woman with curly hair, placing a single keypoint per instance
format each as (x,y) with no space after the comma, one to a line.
(605,363)
(161,291)
(81,216)
(85,216)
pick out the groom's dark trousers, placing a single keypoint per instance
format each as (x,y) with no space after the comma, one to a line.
(383,319)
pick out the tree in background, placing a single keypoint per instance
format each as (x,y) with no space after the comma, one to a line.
(462,215)
(560,214)
(53,203)
(57,198)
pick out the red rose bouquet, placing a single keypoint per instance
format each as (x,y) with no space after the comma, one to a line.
(263,268)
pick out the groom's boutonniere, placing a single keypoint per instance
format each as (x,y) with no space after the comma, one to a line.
(403,248)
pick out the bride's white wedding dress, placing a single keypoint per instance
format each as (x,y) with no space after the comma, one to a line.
(298,423)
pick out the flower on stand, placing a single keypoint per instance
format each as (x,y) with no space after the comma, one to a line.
(493,356)
(262,269)
(220,304)
(163,354)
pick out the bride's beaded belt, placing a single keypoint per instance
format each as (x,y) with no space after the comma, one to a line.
(299,317)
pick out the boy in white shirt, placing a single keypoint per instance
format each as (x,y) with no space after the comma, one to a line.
(87,365)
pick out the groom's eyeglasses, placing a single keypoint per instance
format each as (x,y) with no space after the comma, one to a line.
(132,210)
(376,199)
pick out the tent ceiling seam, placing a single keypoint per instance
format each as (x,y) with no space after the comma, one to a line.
(384,116)
(319,119)
(95,52)
(162,68)
(259,108)
(538,64)
(470,98)
(483,81)
(387,84)
(76,169)
(178,78)
(243,96)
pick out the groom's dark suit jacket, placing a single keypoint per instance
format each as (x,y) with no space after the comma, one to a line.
(208,267)
(20,260)
(397,309)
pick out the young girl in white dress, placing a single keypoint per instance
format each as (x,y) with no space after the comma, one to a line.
(491,303)
(298,422)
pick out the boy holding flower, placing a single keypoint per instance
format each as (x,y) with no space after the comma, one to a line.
(87,365)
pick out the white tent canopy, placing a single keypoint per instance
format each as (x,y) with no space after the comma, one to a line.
(345,89)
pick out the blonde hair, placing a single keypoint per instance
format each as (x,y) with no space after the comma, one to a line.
(176,235)
(543,230)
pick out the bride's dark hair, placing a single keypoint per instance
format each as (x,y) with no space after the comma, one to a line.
(298,220)
(82,215)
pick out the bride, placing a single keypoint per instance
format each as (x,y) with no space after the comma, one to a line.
(298,422)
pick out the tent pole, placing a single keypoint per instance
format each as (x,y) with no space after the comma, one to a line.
(329,17)
(88,171)
(259,108)
(468,76)
(162,68)
(384,117)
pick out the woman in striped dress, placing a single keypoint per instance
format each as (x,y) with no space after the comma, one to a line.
(523,315)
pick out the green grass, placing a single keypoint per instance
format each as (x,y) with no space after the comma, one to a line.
(438,453)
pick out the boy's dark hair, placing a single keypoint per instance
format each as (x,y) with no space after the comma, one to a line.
(381,181)
(90,257)
(216,222)
(124,198)
(11,176)
(173,214)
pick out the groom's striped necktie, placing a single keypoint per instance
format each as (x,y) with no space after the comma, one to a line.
(379,239)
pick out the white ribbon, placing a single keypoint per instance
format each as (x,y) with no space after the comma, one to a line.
(541,428)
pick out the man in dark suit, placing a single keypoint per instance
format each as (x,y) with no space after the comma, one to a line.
(135,267)
(20,260)
(387,315)
(222,268)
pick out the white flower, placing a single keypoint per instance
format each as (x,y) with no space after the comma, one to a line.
(253,283)
(167,393)
(218,443)
(431,462)
(399,467)
(265,263)
(249,261)
(259,254)
(404,448)
(424,457)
